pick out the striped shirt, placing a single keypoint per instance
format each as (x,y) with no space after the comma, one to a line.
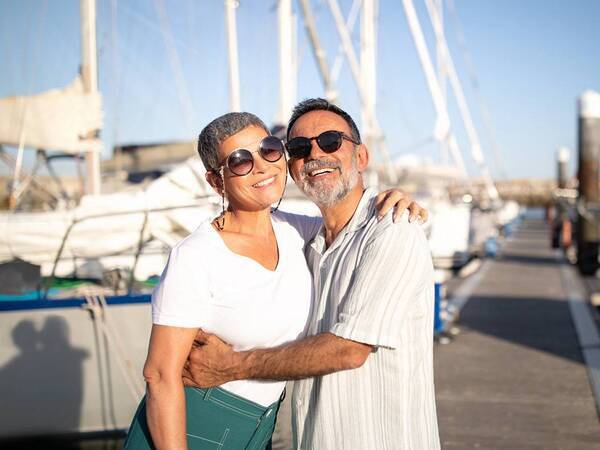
(373,285)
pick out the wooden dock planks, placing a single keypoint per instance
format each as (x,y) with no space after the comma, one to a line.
(515,377)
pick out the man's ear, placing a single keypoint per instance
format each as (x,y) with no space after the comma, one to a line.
(362,157)
(214,179)
(289,165)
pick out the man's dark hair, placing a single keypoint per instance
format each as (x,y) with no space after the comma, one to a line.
(320,104)
(223,127)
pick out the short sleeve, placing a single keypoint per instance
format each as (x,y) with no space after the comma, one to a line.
(306,226)
(394,273)
(182,296)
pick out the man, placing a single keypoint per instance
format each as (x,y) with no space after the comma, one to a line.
(365,371)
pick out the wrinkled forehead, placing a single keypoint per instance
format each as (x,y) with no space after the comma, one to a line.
(315,122)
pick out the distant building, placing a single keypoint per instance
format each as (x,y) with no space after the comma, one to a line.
(140,161)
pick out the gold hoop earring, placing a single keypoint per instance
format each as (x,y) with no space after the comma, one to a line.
(221,224)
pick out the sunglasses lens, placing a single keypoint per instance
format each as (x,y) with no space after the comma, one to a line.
(240,162)
(271,149)
(329,141)
(299,147)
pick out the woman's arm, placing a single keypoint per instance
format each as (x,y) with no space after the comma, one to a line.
(165,402)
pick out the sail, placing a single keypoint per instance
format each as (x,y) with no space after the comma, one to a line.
(58,119)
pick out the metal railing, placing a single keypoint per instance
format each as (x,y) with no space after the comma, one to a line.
(146,212)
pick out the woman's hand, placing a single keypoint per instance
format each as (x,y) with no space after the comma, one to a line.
(400,201)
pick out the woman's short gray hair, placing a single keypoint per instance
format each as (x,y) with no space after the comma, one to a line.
(223,127)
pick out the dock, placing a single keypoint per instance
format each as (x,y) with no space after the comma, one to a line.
(515,377)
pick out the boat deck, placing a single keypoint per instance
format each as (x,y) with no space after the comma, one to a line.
(515,376)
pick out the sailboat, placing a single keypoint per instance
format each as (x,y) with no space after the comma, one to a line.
(81,344)
(74,341)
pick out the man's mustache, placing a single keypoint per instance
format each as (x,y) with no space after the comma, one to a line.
(320,164)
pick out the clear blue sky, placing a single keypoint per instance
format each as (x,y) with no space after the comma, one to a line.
(532,58)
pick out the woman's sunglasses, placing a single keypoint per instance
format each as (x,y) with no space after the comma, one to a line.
(328,141)
(241,162)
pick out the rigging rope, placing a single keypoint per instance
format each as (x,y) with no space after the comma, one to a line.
(486,116)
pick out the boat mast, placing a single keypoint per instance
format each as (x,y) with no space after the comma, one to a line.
(357,74)
(443,130)
(232,52)
(368,72)
(441,71)
(311,29)
(476,152)
(287,60)
(89,76)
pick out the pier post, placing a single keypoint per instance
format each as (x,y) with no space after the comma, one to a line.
(561,226)
(562,157)
(588,174)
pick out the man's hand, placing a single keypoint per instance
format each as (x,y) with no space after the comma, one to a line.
(400,201)
(210,363)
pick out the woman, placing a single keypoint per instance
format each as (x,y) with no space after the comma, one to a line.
(242,277)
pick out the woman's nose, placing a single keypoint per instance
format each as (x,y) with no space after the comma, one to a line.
(260,165)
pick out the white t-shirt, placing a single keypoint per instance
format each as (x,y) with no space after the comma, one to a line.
(206,285)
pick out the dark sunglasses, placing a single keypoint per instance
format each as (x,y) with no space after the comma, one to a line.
(241,162)
(328,141)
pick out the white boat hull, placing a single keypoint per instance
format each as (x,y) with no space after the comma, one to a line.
(59,374)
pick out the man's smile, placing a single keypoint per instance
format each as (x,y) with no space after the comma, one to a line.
(321,173)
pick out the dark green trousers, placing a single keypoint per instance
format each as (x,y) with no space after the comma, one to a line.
(215,419)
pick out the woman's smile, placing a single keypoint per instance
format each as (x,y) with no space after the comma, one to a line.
(265,182)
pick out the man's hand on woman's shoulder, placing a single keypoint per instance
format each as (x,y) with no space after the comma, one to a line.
(400,201)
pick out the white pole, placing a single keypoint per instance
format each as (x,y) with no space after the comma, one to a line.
(89,75)
(440,60)
(368,70)
(286,60)
(356,70)
(339,58)
(476,152)
(441,70)
(443,130)
(311,29)
(232,51)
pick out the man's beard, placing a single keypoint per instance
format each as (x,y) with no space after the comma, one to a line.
(327,193)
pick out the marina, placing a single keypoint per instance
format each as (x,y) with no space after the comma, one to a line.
(516,376)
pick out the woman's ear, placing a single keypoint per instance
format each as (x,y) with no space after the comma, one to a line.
(215,180)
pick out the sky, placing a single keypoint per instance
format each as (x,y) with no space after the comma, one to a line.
(532,60)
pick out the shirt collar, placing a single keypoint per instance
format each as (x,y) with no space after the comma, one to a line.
(364,211)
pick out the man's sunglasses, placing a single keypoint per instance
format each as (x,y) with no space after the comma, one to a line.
(328,141)
(241,162)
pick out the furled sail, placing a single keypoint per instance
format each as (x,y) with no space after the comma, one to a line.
(59,119)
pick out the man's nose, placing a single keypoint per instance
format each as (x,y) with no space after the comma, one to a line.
(315,151)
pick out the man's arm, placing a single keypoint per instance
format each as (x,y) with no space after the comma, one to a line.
(394,270)
(313,356)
